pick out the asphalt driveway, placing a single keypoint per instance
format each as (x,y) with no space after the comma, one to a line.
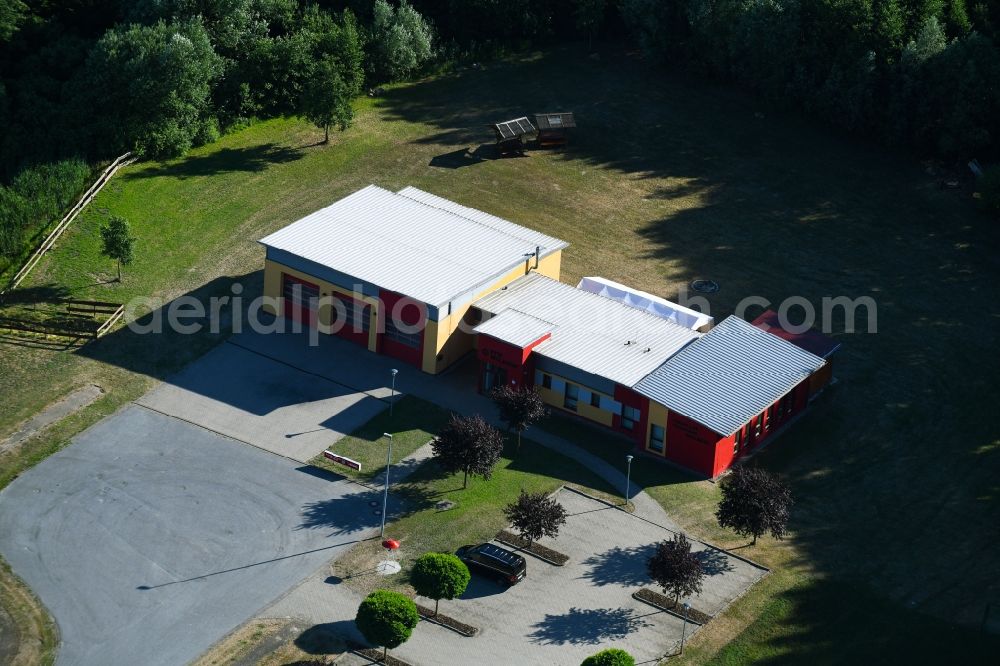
(267,403)
(150,538)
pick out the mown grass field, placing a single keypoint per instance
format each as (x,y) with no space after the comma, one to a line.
(894,471)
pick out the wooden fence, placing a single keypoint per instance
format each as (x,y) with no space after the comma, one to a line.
(50,240)
(82,320)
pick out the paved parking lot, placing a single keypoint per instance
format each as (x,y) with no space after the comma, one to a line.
(255,399)
(150,538)
(557,615)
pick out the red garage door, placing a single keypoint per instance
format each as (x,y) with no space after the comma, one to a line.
(301,299)
(351,319)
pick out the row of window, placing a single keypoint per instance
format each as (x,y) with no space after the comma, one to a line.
(409,339)
(760,424)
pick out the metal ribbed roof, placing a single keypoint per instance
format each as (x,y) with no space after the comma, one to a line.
(733,373)
(401,244)
(547,243)
(515,327)
(594,333)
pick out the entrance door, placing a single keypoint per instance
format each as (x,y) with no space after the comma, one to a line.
(493,377)
(301,299)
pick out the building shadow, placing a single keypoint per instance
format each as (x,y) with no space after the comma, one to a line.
(587,626)
(620,566)
(228,160)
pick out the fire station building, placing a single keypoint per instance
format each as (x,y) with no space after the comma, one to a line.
(429,281)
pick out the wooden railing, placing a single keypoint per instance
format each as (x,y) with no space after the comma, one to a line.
(82,319)
(50,240)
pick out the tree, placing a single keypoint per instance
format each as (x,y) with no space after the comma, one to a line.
(589,15)
(118,242)
(535,515)
(387,619)
(754,502)
(439,576)
(153,87)
(326,100)
(468,444)
(675,568)
(609,657)
(519,409)
(401,41)
(12,13)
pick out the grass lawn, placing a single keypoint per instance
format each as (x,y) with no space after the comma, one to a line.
(411,424)
(477,515)
(894,471)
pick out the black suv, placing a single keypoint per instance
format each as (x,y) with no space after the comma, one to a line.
(499,563)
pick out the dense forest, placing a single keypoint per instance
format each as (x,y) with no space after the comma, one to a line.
(85,80)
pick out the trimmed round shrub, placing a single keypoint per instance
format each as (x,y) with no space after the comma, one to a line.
(387,618)
(609,657)
(439,576)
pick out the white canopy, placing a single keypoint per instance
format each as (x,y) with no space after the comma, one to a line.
(686,317)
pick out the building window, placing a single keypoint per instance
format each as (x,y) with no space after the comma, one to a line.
(595,400)
(656,437)
(396,335)
(546,381)
(738,441)
(572,394)
(630,416)
(770,417)
(758,424)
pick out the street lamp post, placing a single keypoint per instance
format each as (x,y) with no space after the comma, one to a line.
(628,478)
(385,494)
(686,606)
(392,396)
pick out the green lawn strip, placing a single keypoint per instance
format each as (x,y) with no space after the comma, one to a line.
(413,423)
(476,517)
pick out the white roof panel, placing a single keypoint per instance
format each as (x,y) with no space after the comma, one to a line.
(515,327)
(547,243)
(401,244)
(733,373)
(595,334)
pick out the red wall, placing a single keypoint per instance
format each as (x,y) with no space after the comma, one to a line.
(515,360)
(690,444)
(414,313)
(724,456)
(629,397)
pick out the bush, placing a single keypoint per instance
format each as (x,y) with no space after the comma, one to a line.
(387,618)
(989,191)
(439,576)
(609,657)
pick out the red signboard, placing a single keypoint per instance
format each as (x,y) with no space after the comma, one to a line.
(341,460)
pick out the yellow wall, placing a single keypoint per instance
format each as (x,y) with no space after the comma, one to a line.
(583,408)
(441,338)
(657,416)
(451,343)
(272,289)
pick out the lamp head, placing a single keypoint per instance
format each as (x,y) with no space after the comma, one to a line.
(385,434)
(628,458)
(394,372)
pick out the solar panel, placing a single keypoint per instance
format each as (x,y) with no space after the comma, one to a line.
(509,129)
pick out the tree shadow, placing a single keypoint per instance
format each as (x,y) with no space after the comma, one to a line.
(227,160)
(620,566)
(589,626)
(329,637)
(355,512)
(44,293)
(713,562)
